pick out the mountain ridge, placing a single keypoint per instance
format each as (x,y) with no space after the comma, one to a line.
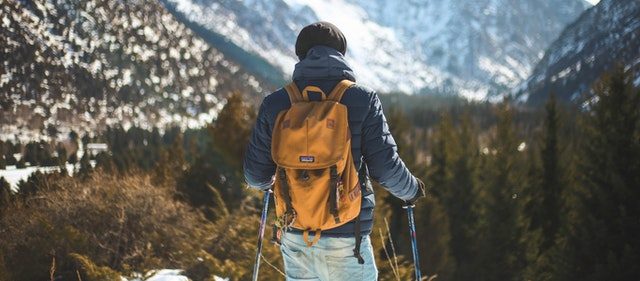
(383,52)
(90,64)
(606,35)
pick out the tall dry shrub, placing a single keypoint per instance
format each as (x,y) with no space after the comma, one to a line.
(123,223)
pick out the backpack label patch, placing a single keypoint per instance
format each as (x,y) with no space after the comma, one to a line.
(307,159)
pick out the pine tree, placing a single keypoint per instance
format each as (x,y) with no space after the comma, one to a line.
(552,181)
(105,162)
(197,186)
(9,150)
(602,240)
(31,153)
(501,251)
(62,156)
(542,213)
(171,163)
(6,195)
(230,132)
(85,165)
(401,128)
(462,202)
(34,183)
(21,164)
(162,168)
(73,154)
(440,181)
(440,175)
(432,222)
(178,162)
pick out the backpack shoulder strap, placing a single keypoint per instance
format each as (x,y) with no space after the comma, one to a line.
(338,90)
(293,92)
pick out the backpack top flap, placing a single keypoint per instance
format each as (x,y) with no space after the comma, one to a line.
(312,134)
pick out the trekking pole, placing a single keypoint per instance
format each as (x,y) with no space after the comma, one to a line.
(414,243)
(263,222)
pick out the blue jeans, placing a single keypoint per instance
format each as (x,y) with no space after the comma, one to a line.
(330,259)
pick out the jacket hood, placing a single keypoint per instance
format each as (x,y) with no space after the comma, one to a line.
(323,63)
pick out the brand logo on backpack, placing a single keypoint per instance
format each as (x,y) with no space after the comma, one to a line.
(307,159)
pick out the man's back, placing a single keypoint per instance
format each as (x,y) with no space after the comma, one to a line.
(370,137)
(321,48)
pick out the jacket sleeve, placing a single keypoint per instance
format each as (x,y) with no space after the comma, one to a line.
(258,165)
(381,154)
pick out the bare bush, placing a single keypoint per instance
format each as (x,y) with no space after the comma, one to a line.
(123,223)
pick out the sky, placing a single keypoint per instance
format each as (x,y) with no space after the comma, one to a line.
(593,2)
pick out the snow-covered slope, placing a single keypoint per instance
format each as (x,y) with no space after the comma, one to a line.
(87,64)
(474,48)
(605,35)
(269,28)
(493,42)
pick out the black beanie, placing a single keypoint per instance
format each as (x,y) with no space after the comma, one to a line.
(320,33)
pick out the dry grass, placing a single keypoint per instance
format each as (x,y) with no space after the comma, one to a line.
(86,229)
(106,225)
(399,268)
(122,223)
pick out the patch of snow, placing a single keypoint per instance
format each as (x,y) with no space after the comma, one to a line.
(522,146)
(474,95)
(564,72)
(14,175)
(502,73)
(167,275)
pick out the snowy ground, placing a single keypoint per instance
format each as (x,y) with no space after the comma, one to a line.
(168,275)
(14,175)
(162,275)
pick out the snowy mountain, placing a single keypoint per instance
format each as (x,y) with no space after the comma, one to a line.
(476,48)
(84,65)
(605,35)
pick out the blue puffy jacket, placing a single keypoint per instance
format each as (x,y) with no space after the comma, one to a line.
(371,140)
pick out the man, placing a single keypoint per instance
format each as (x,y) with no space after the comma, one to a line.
(321,48)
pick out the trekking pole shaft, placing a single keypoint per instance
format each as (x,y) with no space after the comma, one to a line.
(263,222)
(414,243)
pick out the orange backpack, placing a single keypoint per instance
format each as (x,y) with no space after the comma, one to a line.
(316,185)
